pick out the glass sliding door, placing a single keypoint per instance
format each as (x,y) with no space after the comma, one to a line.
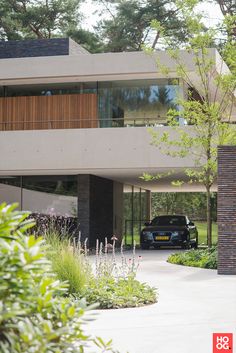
(136,212)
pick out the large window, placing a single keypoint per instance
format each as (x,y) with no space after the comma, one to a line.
(49,89)
(136,102)
(120,103)
(43,194)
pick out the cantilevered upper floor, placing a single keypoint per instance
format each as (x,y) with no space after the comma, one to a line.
(56,84)
(69,95)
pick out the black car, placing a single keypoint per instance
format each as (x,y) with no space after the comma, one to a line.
(169,231)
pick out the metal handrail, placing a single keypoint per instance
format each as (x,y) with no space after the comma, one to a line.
(86,123)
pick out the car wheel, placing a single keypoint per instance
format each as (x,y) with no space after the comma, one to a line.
(156,247)
(145,247)
(195,245)
(185,246)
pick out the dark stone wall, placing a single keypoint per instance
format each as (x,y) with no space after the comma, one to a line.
(34,48)
(84,205)
(95,208)
(226,216)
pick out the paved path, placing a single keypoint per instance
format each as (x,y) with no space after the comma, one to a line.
(193,303)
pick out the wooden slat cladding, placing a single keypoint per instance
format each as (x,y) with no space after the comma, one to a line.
(49,112)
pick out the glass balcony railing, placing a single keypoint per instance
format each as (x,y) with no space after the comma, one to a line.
(48,124)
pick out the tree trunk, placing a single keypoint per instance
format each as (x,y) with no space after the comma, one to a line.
(209,223)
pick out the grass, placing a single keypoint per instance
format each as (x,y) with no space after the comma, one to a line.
(202,234)
(67,264)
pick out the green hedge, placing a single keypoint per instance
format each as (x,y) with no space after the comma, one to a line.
(204,258)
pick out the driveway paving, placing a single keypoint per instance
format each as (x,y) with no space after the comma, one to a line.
(193,303)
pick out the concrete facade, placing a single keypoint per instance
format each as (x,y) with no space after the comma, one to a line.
(104,159)
(120,154)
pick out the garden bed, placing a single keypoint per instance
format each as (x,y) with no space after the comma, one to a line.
(203,258)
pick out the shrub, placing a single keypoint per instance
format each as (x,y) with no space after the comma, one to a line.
(114,284)
(68,263)
(204,258)
(49,223)
(120,293)
(34,316)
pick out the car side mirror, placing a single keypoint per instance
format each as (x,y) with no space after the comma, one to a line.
(191,224)
(147,223)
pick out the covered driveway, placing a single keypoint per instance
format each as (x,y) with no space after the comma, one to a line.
(193,303)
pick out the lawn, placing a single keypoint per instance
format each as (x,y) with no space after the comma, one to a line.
(202,231)
(202,234)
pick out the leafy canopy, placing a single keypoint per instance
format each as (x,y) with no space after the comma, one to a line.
(37,19)
(128,23)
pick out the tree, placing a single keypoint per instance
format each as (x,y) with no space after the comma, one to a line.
(129,23)
(208,111)
(37,19)
(228,8)
(190,203)
(87,39)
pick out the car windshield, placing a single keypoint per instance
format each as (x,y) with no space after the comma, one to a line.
(169,221)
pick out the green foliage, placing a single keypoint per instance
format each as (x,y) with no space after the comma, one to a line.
(119,293)
(114,284)
(34,314)
(68,264)
(204,258)
(87,39)
(111,285)
(208,108)
(202,233)
(127,26)
(192,204)
(37,19)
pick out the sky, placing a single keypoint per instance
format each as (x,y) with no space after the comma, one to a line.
(212,13)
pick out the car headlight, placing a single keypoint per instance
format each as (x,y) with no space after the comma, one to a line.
(147,235)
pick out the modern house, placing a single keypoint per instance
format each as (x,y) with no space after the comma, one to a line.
(73,131)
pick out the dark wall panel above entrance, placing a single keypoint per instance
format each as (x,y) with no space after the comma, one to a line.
(95,208)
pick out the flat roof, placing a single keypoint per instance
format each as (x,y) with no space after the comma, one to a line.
(93,67)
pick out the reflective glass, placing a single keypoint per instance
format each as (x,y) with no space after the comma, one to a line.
(42,194)
(137,102)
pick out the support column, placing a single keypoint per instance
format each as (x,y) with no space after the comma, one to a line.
(95,208)
(118,210)
(149,204)
(226,213)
